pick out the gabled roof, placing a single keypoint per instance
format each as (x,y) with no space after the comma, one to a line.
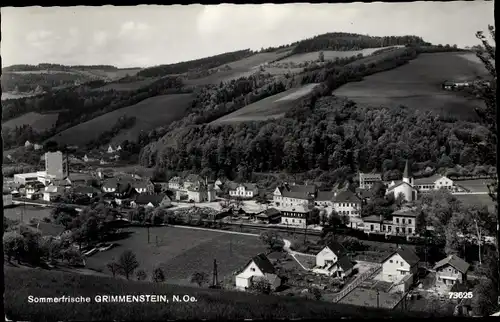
(85,189)
(110,183)
(337,248)
(175,180)
(406,254)
(193,178)
(325,196)
(400,184)
(263,264)
(405,213)
(455,261)
(53,189)
(123,187)
(372,218)
(428,180)
(345,263)
(140,184)
(271,212)
(155,199)
(373,176)
(346,196)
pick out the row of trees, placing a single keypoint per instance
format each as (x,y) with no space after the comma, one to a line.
(29,82)
(56,67)
(124,122)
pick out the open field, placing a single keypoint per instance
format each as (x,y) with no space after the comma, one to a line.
(183,251)
(480,200)
(241,68)
(39,122)
(210,304)
(478,185)
(130,86)
(417,85)
(10,96)
(150,113)
(271,107)
(329,55)
(28,212)
(368,298)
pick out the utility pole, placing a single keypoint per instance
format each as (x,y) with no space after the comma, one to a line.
(378,299)
(148,232)
(215,280)
(479,239)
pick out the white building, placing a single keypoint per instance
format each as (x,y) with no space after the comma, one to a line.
(294,195)
(333,260)
(175,183)
(325,199)
(51,192)
(258,267)
(399,264)
(56,165)
(110,149)
(434,182)
(346,203)
(405,187)
(24,178)
(294,216)
(244,190)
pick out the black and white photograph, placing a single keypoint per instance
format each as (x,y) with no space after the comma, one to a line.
(250,161)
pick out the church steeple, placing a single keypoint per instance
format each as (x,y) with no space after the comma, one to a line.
(407,175)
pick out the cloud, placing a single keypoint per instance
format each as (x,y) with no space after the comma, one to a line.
(38,35)
(100,38)
(132,27)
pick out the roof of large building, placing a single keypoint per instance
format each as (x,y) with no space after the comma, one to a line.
(325,196)
(85,189)
(373,176)
(155,199)
(427,180)
(405,213)
(400,183)
(455,261)
(346,196)
(372,218)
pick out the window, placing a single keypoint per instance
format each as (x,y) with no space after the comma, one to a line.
(409,230)
(397,229)
(403,230)
(403,220)
(252,269)
(403,272)
(390,261)
(455,271)
(401,264)
(409,221)
(397,220)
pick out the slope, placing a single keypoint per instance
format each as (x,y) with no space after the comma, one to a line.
(417,85)
(210,304)
(150,113)
(38,122)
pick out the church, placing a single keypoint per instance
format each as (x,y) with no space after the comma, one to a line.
(406,186)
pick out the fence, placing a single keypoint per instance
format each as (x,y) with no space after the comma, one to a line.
(356,282)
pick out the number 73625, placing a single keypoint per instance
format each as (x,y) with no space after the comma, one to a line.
(460,295)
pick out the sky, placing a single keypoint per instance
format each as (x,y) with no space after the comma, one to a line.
(146,35)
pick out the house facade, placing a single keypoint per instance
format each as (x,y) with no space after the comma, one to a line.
(434,182)
(143,186)
(450,271)
(399,264)
(346,203)
(294,195)
(270,216)
(245,190)
(324,199)
(258,267)
(151,201)
(367,180)
(294,216)
(333,260)
(51,192)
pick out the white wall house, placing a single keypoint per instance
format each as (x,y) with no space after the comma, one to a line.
(332,260)
(246,190)
(51,192)
(367,180)
(258,267)
(175,183)
(399,264)
(294,216)
(405,187)
(24,178)
(346,203)
(294,195)
(434,182)
(450,271)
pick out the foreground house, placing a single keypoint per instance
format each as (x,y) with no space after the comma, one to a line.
(400,263)
(151,201)
(258,267)
(333,260)
(450,271)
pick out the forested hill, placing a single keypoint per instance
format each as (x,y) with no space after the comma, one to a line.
(203,63)
(58,67)
(347,41)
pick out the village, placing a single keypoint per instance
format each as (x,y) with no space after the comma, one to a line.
(336,273)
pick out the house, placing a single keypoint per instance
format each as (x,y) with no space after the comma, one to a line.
(400,263)
(110,185)
(450,271)
(244,190)
(294,195)
(294,216)
(110,149)
(175,183)
(346,203)
(27,144)
(372,224)
(333,260)
(51,192)
(197,192)
(123,190)
(434,182)
(404,222)
(24,178)
(151,200)
(75,178)
(193,180)
(143,186)
(448,85)
(32,190)
(258,267)
(211,195)
(324,199)
(367,180)
(7,199)
(37,147)
(270,216)
(88,191)
(406,187)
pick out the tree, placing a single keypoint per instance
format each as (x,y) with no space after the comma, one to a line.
(141,275)
(273,241)
(199,278)
(321,56)
(260,285)
(316,293)
(14,245)
(113,267)
(128,263)
(158,275)
(314,216)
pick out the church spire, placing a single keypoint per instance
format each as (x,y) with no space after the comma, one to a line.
(407,173)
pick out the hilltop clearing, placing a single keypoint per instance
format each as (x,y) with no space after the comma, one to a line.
(418,85)
(272,107)
(38,122)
